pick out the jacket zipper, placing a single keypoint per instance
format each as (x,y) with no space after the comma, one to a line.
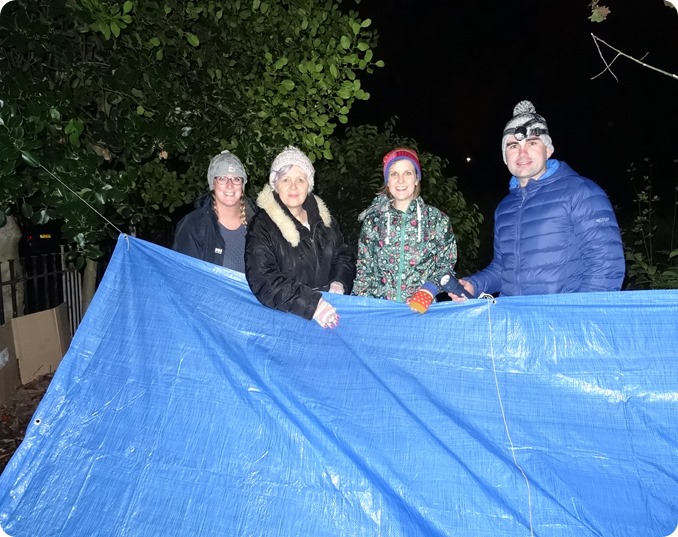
(401,258)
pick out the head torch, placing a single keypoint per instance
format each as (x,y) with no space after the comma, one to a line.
(526,131)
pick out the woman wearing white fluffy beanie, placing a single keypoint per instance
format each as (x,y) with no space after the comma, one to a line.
(294,248)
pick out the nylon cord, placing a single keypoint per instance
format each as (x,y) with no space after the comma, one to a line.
(490,301)
(82,199)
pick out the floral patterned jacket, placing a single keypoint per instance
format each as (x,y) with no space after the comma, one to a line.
(398,251)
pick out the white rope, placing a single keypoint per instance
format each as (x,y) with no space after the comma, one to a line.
(490,301)
(81,199)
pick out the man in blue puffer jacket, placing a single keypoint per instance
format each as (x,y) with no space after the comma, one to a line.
(556,231)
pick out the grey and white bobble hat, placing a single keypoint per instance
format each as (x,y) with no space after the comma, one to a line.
(292,155)
(225,163)
(526,123)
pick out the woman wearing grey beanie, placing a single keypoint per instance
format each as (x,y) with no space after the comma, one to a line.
(215,231)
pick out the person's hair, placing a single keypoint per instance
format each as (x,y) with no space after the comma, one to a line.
(384,190)
(243,207)
(243,210)
(277,174)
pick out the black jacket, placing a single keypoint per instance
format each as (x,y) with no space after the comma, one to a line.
(286,265)
(197,234)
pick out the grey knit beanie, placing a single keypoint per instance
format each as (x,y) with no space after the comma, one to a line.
(225,163)
(525,123)
(289,156)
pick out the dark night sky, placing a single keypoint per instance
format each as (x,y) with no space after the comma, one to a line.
(454,71)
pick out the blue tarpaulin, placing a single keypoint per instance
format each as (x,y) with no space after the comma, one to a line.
(185,408)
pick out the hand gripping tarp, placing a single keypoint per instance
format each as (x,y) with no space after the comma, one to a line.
(185,408)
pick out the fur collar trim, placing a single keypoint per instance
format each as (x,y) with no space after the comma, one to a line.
(284,221)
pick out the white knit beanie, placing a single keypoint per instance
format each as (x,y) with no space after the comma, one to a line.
(525,123)
(289,156)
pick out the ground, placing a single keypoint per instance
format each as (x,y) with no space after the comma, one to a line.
(16,413)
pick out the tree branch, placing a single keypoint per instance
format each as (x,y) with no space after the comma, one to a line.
(596,40)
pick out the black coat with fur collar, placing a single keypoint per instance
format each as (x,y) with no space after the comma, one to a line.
(286,265)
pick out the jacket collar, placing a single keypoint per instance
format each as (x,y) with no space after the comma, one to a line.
(269,202)
(552,166)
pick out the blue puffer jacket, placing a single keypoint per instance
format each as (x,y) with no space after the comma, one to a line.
(559,234)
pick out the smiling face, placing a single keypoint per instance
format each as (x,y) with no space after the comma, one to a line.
(526,159)
(226,192)
(292,187)
(402,183)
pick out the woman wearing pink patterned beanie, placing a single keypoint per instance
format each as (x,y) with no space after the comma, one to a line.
(294,249)
(403,242)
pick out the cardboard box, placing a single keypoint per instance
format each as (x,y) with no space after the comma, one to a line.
(9,369)
(41,340)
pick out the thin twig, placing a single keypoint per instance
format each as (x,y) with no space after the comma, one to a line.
(620,53)
(607,65)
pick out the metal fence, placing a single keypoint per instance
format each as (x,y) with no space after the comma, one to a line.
(38,283)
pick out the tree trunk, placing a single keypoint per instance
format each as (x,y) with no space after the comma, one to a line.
(89,283)
(9,249)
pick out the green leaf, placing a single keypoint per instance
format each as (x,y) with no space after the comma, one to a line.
(282,62)
(74,139)
(79,239)
(192,39)
(344,93)
(26,210)
(115,29)
(30,159)
(7,167)
(7,149)
(140,110)
(125,212)
(345,42)
(154,41)
(41,217)
(127,7)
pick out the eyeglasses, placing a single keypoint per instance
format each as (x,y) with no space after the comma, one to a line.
(223,180)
